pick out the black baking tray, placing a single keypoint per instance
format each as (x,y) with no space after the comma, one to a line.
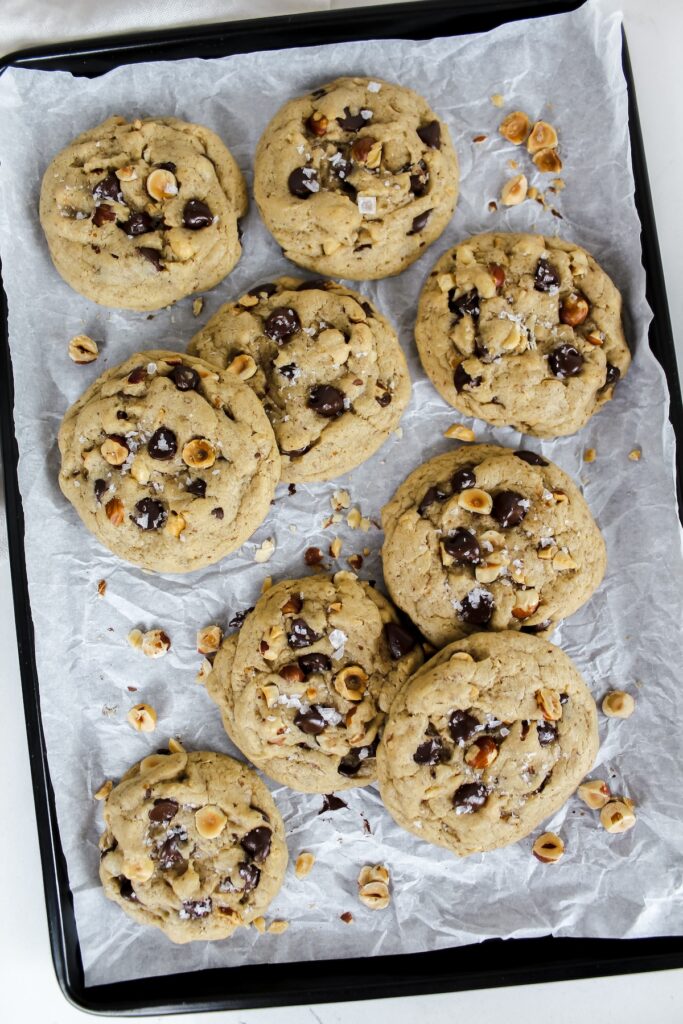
(495,962)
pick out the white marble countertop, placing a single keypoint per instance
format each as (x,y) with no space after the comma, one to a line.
(29,989)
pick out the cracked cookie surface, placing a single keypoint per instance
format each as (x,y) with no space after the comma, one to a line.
(522,331)
(485,741)
(305,685)
(193,844)
(484,537)
(326,364)
(356,178)
(139,214)
(170,463)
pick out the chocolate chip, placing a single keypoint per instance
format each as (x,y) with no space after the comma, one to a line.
(532,458)
(399,640)
(169,856)
(613,374)
(197,215)
(296,453)
(153,256)
(163,810)
(100,489)
(150,514)
(419,222)
(257,843)
(313,285)
(267,289)
(108,188)
(547,733)
(462,726)
(431,496)
(103,214)
(237,621)
(546,277)
(509,508)
(463,479)
(288,371)
(314,663)
(429,752)
(318,94)
(470,797)
(431,134)
(477,607)
(302,635)
(384,399)
(326,400)
(352,122)
(524,730)
(137,375)
(184,377)
(163,445)
(537,627)
(419,182)
(197,487)
(282,323)
(251,876)
(168,166)
(564,698)
(332,803)
(463,547)
(126,889)
(310,721)
(138,224)
(565,361)
(218,513)
(341,170)
(462,379)
(195,909)
(303,182)
(466,304)
(367,309)
(349,765)
(121,415)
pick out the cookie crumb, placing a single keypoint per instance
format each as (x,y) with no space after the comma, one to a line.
(340,500)
(589,455)
(346,917)
(497,99)
(267,584)
(197,307)
(209,639)
(259,924)
(304,864)
(635,455)
(278,927)
(105,789)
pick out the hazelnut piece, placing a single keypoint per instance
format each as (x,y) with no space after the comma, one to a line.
(243,366)
(210,821)
(350,682)
(482,753)
(549,704)
(548,848)
(515,127)
(373,887)
(618,704)
(143,718)
(199,453)
(548,161)
(114,511)
(514,191)
(209,639)
(543,136)
(476,500)
(617,815)
(162,184)
(594,793)
(83,349)
(317,123)
(573,310)
(114,451)
(304,863)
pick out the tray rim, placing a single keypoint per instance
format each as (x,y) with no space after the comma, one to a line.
(346,980)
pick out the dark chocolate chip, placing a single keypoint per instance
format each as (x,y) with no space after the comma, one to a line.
(476,608)
(257,843)
(163,445)
(565,361)
(509,508)
(463,479)
(524,730)
(431,496)
(197,215)
(384,399)
(237,620)
(302,635)
(463,547)
(138,224)
(332,803)
(267,289)
(537,627)
(316,662)
(163,810)
(288,371)
(195,909)
(168,166)
(108,188)
(295,453)
(531,458)
(547,733)
(466,304)
(303,182)
(251,876)
(419,182)
(121,415)
(462,379)
(197,487)
(169,856)
(419,222)
(431,134)
(218,513)
(184,377)
(546,276)
(349,765)
(313,285)
(100,488)
(153,256)
(282,323)
(429,752)
(470,797)
(126,889)
(291,488)
(367,309)
(103,214)
(341,170)
(150,514)
(399,640)
(326,400)
(310,721)
(352,122)
(564,698)
(462,726)
(613,374)
(137,375)
(318,94)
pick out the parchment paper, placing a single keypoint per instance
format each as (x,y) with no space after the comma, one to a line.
(568,70)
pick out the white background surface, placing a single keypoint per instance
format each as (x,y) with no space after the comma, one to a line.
(29,990)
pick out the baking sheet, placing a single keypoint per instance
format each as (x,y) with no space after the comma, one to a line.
(566,69)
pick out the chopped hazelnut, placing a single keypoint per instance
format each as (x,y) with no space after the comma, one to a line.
(459,431)
(83,349)
(514,191)
(618,704)
(143,718)
(304,864)
(515,127)
(542,136)
(595,793)
(548,848)
(618,815)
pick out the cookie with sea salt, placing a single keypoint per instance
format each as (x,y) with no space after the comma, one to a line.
(193,845)
(485,537)
(139,214)
(486,741)
(169,462)
(327,366)
(522,331)
(305,684)
(356,178)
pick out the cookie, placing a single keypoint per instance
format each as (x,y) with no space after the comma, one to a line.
(193,844)
(484,537)
(139,214)
(305,684)
(522,331)
(169,462)
(356,178)
(326,365)
(487,740)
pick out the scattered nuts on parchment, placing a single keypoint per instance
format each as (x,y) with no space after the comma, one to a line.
(83,349)
(336,547)
(635,455)
(346,917)
(259,924)
(105,789)
(197,306)
(175,746)
(515,127)
(102,588)
(143,718)
(594,793)
(340,500)
(514,190)
(542,136)
(548,848)
(265,551)
(589,455)
(304,864)
(460,432)
(373,887)
(618,815)
(209,639)
(618,704)
(278,927)
(154,643)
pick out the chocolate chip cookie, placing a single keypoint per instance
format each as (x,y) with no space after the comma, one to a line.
(485,537)
(356,178)
(171,463)
(522,331)
(193,844)
(326,365)
(139,214)
(485,741)
(304,686)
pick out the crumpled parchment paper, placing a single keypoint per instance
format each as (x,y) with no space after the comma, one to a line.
(566,69)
